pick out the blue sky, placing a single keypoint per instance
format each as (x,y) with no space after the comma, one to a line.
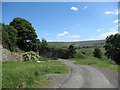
(66,21)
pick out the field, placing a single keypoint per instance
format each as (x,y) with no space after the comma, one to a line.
(20,74)
(78,44)
(88,59)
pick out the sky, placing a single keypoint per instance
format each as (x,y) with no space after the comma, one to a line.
(66,21)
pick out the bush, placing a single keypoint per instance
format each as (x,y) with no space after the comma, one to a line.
(97,53)
(31,56)
(79,55)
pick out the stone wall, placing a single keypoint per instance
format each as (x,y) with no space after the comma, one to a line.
(7,55)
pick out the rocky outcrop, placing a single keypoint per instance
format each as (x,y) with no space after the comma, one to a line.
(7,55)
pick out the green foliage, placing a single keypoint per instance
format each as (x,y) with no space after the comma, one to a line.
(20,34)
(36,45)
(64,54)
(44,43)
(55,52)
(86,51)
(112,47)
(67,53)
(71,51)
(92,61)
(9,37)
(97,53)
(33,56)
(30,56)
(102,62)
(26,33)
(43,47)
(80,55)
(29,74)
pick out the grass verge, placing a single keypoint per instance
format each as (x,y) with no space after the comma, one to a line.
(92,61)
(20,74)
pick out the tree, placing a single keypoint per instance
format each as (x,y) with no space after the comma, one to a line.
(26,33)
(44,43)
(43,46)
(97,53)
(112,47)
(71,51)
(9,37)
(36,45)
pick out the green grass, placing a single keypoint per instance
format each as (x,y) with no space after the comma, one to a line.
(88,59)
(20,74)
(92,61)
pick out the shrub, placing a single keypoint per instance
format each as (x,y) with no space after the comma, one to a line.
(79,55)
(97,53)
(31,56)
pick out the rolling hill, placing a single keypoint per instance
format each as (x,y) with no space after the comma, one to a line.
(91,43)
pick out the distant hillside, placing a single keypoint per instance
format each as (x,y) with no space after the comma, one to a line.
(92,43)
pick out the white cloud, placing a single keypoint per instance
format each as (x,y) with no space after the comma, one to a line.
(111,31)
(115,12)
(85,7)
(116,21)
(101,36)
(63,34)
(60,34)
(109,12)
(74,8)
(74,36)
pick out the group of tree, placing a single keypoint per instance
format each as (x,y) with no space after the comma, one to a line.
(112,48)
(21,35)
(56,53)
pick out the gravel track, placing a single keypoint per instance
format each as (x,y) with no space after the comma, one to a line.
(83,76)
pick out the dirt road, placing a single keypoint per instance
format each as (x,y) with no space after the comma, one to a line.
(83,76)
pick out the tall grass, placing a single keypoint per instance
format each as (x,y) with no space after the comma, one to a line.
(92,61)
(28,74)
(88,59)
